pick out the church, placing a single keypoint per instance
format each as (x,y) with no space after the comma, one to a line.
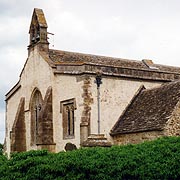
(88,100)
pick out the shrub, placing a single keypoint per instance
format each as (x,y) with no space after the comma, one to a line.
(158,159)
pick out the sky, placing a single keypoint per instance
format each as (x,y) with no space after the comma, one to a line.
(131,29)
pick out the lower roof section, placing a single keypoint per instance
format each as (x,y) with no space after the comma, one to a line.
(149,110)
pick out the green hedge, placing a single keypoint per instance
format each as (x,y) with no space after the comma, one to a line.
(158,159)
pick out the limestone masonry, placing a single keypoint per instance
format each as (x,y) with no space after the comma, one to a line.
(64,100)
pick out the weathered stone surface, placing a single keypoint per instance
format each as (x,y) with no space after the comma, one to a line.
(86,113)
(49,147)
(96,140)
(135,138)
(38,32)
(172,127)
(78,63)
(45,131)
(149,110)
(18,133)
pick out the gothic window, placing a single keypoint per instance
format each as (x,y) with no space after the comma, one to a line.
(36,103)
(68,119)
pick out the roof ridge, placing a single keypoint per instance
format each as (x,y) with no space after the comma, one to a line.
(163,85)
(96,55)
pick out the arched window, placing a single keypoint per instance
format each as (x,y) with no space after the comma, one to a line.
(35,108)
(68,120)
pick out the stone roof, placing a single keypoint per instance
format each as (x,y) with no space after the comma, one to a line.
(38,16)
(149,110)
(64,62)
(112,66)
(60,57)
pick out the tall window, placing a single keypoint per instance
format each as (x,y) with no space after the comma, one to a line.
(35,108)
(67,109)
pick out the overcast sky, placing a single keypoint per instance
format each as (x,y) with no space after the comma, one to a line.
(132,29)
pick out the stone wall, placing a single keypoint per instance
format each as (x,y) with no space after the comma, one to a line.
(86,113)
(173,125)
(67,87)
(112,70)
(134,138)
(18,133)
(115,95)
(45,131)
(11,111)
(35,74)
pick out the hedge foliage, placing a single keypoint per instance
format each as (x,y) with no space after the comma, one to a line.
(158,159)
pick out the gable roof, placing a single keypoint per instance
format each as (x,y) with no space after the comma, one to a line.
(59,57)
(149,110)
(39,18)
(63,60)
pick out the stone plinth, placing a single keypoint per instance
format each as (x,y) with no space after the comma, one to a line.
(96,140)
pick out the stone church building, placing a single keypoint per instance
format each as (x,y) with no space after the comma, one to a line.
(88,100)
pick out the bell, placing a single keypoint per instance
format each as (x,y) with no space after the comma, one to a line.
(33,39)
(37,37)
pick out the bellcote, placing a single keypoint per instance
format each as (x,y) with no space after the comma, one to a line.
(38,30)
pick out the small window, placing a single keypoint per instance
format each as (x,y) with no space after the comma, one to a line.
(67,109)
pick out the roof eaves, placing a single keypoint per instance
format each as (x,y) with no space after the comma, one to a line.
(137,131)
(13,90)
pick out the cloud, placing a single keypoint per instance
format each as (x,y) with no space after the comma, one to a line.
(2,126)
(122,29)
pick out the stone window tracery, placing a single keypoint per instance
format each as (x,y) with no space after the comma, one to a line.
(68,119)
(36,103)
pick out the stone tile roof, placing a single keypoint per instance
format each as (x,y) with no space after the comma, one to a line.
(40,17)
(60,57)
(71,57)
(149,110)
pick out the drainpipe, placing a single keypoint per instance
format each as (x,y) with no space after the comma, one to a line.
(98,81)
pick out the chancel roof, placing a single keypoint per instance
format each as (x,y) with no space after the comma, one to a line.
(113,66)
(149,110)
(59,57)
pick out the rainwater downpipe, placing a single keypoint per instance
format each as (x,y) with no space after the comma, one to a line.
(98,82)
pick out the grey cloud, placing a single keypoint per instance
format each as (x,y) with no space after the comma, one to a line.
(15,8)
(2,98)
